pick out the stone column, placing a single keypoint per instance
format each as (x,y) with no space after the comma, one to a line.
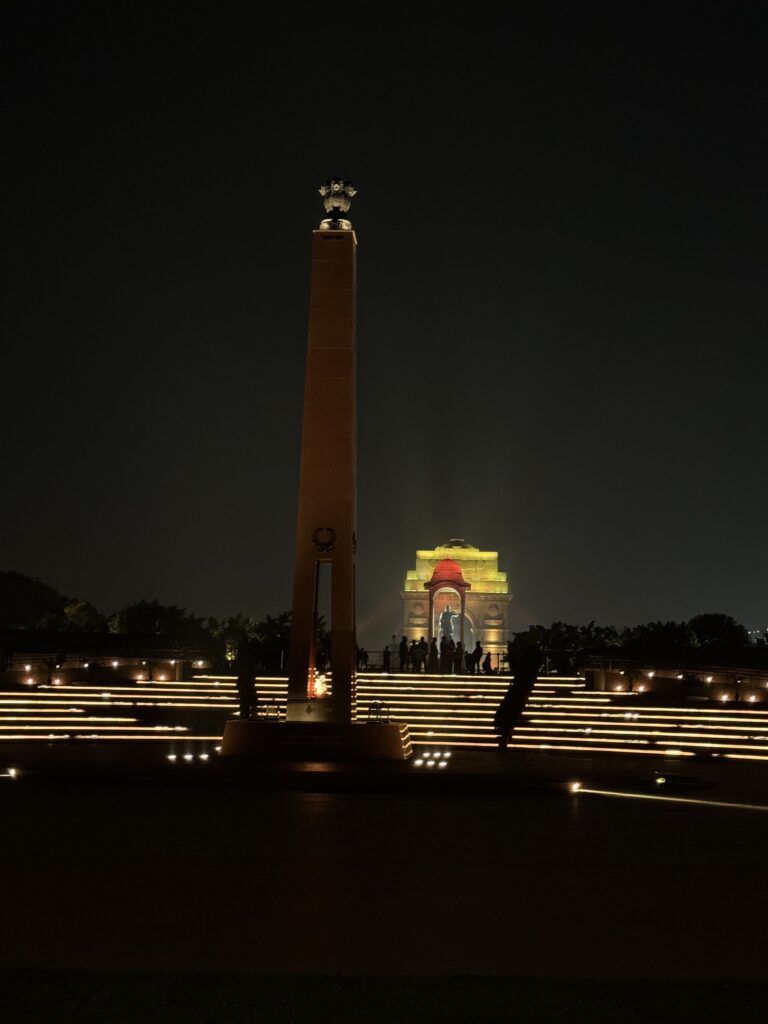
(325,531)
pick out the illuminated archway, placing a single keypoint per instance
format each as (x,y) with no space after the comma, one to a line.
(447,579)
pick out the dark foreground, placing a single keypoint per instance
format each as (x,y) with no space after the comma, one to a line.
(548,905)
(84,997)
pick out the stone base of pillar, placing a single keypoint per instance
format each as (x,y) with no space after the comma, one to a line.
(317,741)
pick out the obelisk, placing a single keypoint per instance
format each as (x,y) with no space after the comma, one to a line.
(320,714)
(325,531)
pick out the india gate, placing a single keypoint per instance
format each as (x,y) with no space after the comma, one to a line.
(457,590)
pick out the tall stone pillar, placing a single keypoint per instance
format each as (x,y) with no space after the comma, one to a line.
(325,533)
(322,726)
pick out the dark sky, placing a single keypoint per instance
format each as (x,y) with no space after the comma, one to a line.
(562,302)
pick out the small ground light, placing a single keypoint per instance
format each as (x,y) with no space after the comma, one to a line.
(115,664)
(575,787)
(709,679)
(30,681)
(752,699)
(13,772)
(418,763)
(189,757)
(171,757)
(442,764)
(660,780)
(27,668)
(203,757)
(217,749)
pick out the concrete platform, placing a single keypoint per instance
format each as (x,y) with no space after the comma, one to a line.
(313,741)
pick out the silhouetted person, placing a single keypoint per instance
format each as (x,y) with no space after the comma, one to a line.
(487,666)
(510,711)
(445,657)
(477,657)
(386,656)
(433,661)
(246,683)
(402,652)
(458,658)
(469,660)
(423,652)
(413,656)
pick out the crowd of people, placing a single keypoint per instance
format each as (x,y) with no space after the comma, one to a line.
(448,658)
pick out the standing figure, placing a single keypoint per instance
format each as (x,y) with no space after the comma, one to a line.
(385,658)
(423,652)
(246,683)
(413,655)
(445,657)
(458,658)
(433,663)
(446,622)
(402,653)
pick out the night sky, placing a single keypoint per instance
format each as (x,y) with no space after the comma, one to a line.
(562,318)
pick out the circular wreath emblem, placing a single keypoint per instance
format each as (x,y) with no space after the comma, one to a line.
(324,538)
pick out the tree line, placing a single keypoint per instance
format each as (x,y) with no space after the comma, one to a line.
(712,637)
(30,604)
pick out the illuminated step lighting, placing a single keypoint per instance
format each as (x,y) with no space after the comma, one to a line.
(59,718)
(631,730)
(143,688)
(45,727)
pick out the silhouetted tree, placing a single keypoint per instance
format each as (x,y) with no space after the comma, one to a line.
(150,618)
(716,629)
(27,603)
